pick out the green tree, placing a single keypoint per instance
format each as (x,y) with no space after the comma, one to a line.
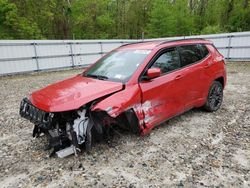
(92,19)
(137,17)
(239,17)
(170,18)
(14,26)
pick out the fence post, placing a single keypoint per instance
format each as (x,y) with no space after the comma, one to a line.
(71,54)
(36,57)
(229,46)
(101,48)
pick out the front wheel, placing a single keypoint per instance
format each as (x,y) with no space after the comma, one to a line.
(215,96)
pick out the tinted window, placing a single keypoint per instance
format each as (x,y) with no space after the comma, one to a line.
(204,50)
(168,61)
(190,54)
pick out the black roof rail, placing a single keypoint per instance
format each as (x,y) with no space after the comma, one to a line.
(167,41)
(162,42)
(143,41)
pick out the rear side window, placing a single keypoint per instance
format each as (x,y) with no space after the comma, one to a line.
(167,61)
(204,50)
(190,54)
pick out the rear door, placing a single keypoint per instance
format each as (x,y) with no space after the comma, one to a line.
(194,61)
(163,97)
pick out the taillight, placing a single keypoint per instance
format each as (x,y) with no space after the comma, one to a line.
(219,59)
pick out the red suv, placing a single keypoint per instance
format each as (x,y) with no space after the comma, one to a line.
(134,87)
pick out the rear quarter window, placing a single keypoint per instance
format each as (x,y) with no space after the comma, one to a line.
(192,53)
(204,50)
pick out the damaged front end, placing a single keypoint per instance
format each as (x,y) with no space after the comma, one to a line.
(67,132)
(73,131)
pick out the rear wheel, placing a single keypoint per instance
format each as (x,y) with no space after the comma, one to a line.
(215,97)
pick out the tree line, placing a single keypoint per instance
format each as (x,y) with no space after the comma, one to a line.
(127,19)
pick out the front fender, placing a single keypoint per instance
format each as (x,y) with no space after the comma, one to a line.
(121,101)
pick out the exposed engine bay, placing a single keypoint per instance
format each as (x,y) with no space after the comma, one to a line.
(74,131)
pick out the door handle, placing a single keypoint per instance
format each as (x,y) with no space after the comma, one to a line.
(178,77)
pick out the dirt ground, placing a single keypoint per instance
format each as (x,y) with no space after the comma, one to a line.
(196,149)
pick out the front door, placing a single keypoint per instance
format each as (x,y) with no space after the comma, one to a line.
(164,96)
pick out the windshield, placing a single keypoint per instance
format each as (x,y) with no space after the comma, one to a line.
(118,65)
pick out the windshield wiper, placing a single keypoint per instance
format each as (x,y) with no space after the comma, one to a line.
(99,77)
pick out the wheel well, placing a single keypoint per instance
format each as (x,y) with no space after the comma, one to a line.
(221,80)
(128,120)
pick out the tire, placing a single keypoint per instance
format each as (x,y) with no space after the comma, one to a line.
(88,140)
(215,97)
(92,136)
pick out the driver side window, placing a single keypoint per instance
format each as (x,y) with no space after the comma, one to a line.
(167,61)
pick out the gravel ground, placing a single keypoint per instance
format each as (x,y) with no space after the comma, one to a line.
(196,149)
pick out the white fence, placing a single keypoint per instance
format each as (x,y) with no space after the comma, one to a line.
(18,56)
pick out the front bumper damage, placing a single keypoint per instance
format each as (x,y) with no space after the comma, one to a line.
(67,132)
(70,132)
(40,118)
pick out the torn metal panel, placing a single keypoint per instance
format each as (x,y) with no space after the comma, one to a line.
(120,102)
(151,111)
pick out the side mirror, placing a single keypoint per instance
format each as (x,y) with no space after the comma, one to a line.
(153,73)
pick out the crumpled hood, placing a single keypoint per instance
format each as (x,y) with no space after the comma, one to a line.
(72,93)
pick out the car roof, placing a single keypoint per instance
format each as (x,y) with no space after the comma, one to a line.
(150,45)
